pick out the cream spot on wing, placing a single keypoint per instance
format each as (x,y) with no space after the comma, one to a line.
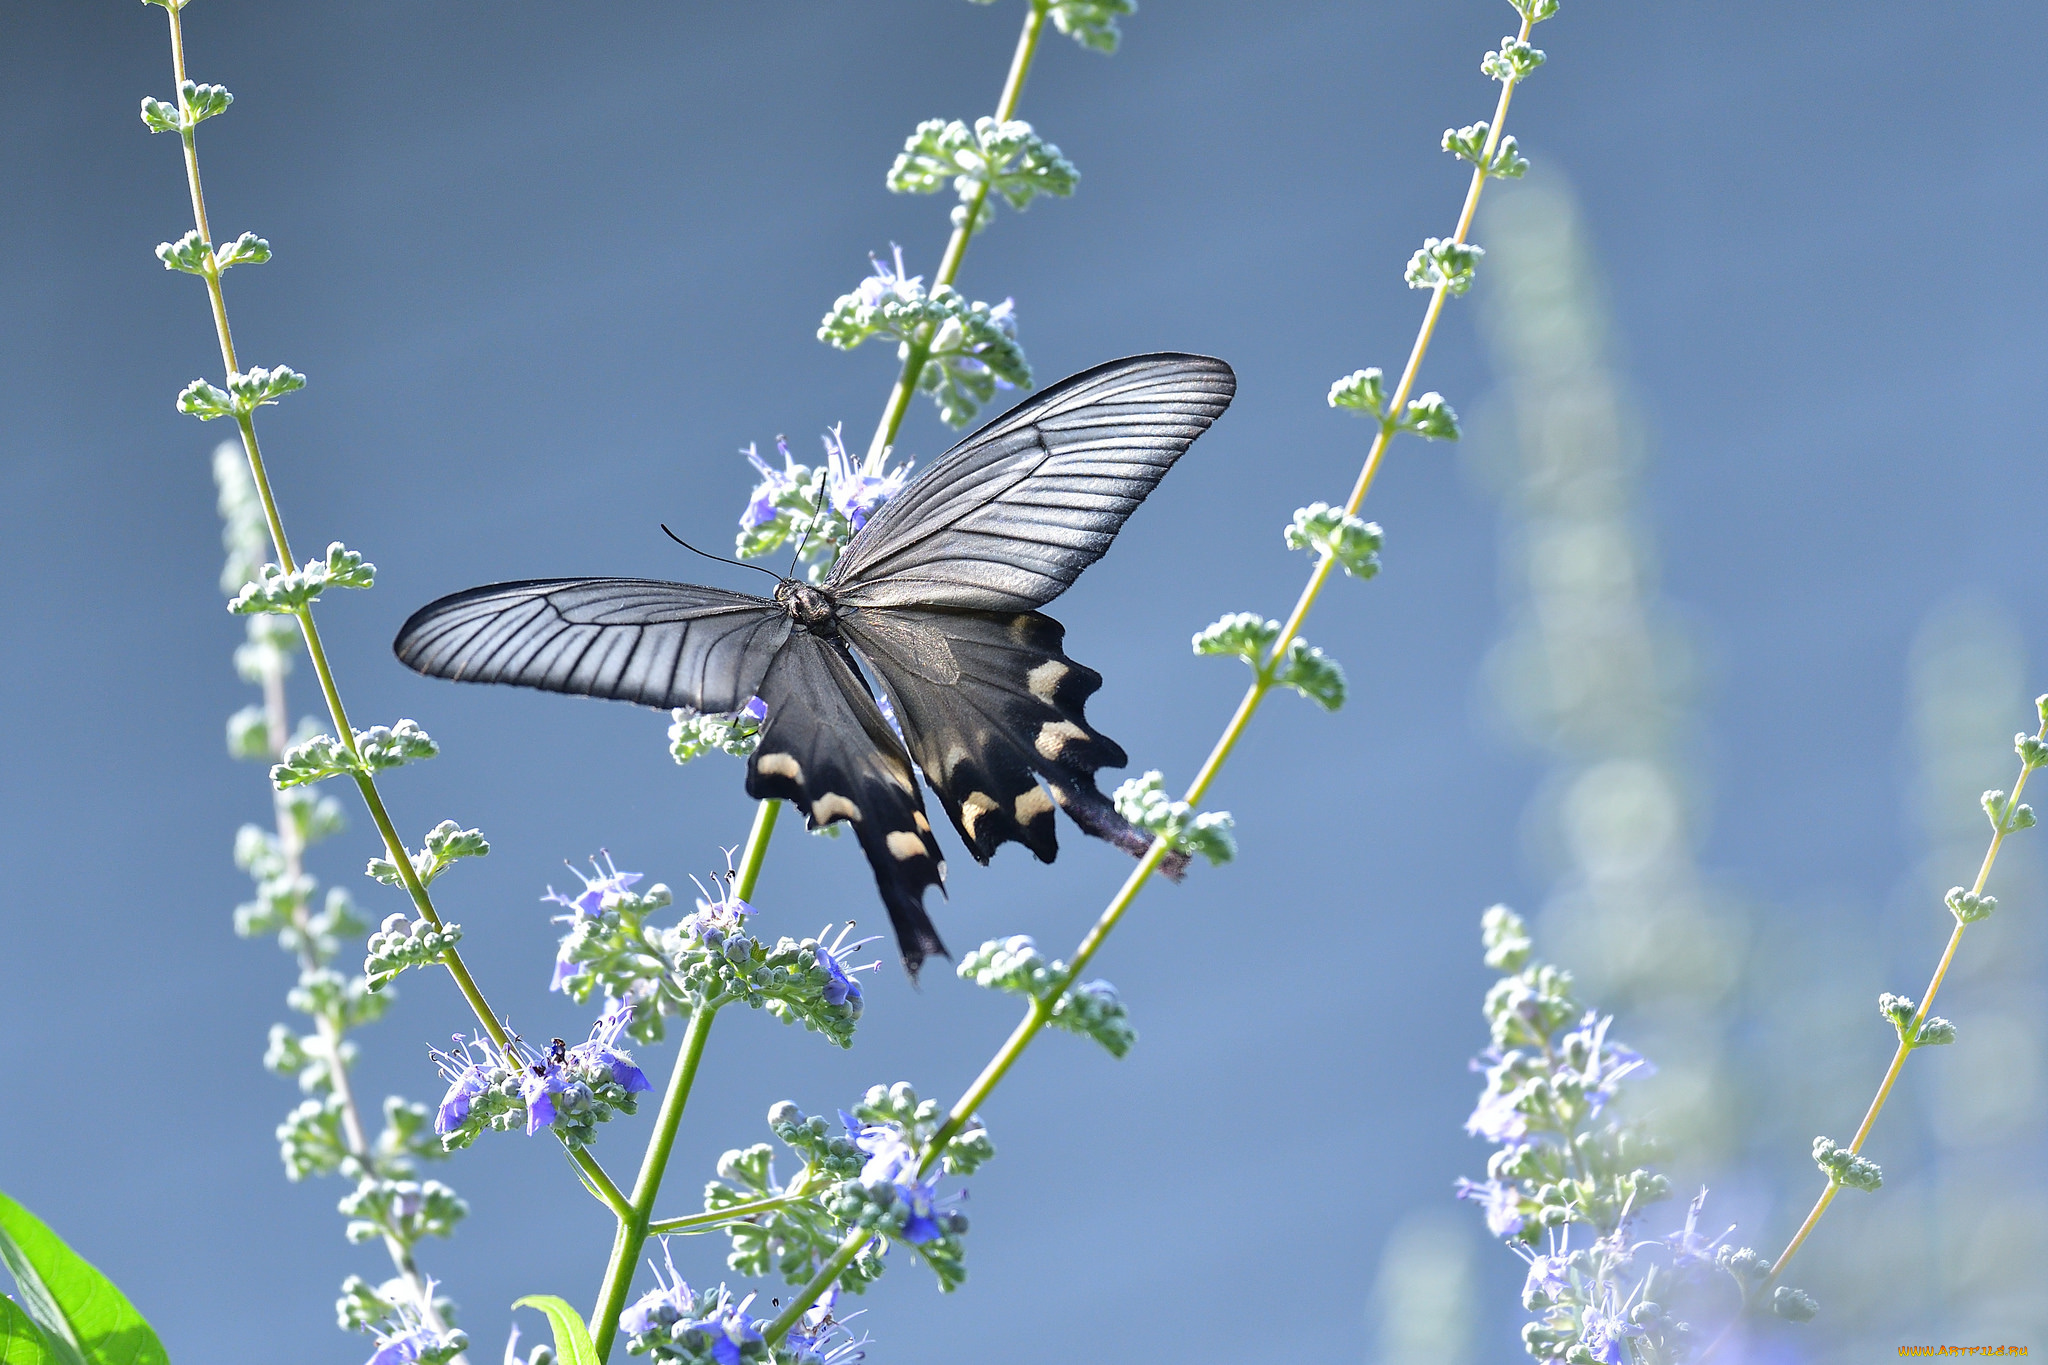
(923,825)
(1056,735)
(1045,678)
(955,756)
(973,808)
(905,845)
(831,806)
(1020,628)
(1031,805)
(900,775)
(780,765)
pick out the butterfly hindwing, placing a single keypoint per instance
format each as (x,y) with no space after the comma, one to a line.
(991,706)
(827,749)
(1008,519)
(627,639)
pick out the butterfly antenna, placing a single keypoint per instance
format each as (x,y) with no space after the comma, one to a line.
(719,558)
(816,512)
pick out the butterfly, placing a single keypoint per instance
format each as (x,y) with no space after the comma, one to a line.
(937,594)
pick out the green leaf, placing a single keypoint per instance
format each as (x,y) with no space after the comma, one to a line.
(1091,23)
(84,1319)
(21,1341)
(1362,391)
(1243,634)
(1327,530)
(1430,416)
(1312,673)
(572,1338)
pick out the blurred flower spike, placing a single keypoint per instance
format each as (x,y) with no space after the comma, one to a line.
(1562,1160)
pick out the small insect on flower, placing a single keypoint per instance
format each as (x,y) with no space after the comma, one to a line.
(567,1089)
(821,1339)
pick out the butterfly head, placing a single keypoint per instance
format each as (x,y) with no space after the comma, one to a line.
(812,608)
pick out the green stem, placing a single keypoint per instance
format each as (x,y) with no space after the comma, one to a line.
(634,1218)
(1038,1015)
(815,1288)
(919,351)
(1898,1063)
(394,846)
(602,1187)
(757,848)
(635,1226)
(635,1214)
(734,1213)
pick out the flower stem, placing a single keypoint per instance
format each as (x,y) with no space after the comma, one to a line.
(734,1213)
(917,352)
(635,1214)
(1039,1012)
(1891,1075)
(757,847)
(814,1289)
(394,846)
(634,1218)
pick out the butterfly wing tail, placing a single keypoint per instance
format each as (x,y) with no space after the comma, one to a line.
(1081,799)
(826,748)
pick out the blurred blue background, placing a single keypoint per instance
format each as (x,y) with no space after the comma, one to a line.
(549,267)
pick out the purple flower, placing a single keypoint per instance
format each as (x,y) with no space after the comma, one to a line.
(887,284)
(821,1339)
(602,1048)
(1607,1064)
(756,708)
(584,905)
(1502,1204)
(860,488)
(468,1075)
(716,920)
(539,1083)
(1686,1246)
(404,1347)
(774,483)
(893,1161)
(729,1329)
(406,1337)
(1603,1334)
(1546,1276)
(1497,1117)
(841,987)
(609,881)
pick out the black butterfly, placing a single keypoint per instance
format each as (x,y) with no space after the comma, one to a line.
(937,593)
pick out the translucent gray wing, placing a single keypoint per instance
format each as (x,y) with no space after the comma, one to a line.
(1008,519)
(627,639)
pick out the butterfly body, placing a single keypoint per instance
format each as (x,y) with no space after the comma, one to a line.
(937,595)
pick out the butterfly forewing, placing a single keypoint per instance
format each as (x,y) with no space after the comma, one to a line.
(1009,518)
(827,749)
(627,639)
